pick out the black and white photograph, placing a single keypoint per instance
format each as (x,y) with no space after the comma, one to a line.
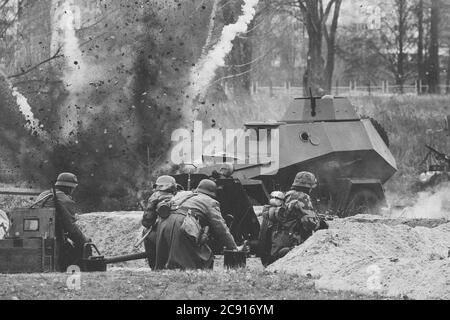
(226,155)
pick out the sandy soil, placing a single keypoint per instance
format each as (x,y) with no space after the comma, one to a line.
(369,255)
(365,254)
(115,233)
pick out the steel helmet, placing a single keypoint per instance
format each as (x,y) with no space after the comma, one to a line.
(165,183)
(67,179)
(278,195)
(207,187)
(306,180)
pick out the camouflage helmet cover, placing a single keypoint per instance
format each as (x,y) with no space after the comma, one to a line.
(305,179)
(67,179)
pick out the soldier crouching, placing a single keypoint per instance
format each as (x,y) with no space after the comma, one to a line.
(164,190)
(182,237)
(290,219)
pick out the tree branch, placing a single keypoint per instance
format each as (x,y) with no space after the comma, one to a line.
(55,56)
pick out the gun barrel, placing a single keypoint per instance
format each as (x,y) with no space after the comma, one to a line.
(125,258)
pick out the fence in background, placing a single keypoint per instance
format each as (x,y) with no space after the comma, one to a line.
(353,89)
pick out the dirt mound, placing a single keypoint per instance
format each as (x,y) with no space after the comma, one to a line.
(370,255)
(114,233)
(392,221)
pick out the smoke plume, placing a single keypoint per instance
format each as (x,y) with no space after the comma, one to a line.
(205,70)
(66,19)
(25,109)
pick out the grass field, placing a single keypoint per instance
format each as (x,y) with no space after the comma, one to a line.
(408,121)
(167,285)
(411,122)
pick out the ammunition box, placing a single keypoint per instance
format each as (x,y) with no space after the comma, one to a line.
(27,255)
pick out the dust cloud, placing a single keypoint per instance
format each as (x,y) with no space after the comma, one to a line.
(434,204)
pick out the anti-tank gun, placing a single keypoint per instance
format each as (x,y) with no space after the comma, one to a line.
(34,243)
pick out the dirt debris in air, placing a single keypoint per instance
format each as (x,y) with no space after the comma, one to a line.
(375,255)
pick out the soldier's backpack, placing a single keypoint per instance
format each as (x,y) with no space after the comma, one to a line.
(191,225)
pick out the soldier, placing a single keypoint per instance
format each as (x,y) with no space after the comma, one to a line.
(163,190)
(180,243)
(225,172)
(298,220)
(66,210)
(271,214)
(298,200)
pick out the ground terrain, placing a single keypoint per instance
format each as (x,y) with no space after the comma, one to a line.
(168,285)
(410,249)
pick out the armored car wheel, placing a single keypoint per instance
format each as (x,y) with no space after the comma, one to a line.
(363,201)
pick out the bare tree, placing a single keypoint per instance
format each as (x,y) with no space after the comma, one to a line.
(8,19)
(420,44)
(330,38)
(445,39)
(395,40)
(315,15)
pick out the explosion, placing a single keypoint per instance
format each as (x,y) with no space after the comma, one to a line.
(66,20)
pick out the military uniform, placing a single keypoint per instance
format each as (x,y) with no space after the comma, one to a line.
(150,219)
(150,214)
(299,204)
(176,250)
(291,224)
(288,224)
(66,211)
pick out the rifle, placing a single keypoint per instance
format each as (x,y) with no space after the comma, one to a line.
(140,241)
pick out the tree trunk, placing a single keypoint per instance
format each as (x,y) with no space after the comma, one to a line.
(314,75)
(447,88)
(331,48)
(420,58)
(433,72)
(402,25)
